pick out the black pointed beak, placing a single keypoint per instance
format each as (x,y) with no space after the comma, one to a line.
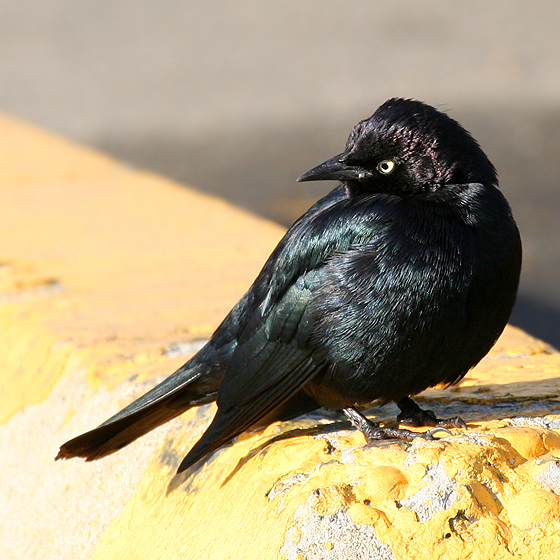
(336,169)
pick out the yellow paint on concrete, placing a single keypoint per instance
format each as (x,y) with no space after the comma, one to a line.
(530,442)
(500,510)
(31,360)
(102,268)
(31,156)
(533,508)
(108,264)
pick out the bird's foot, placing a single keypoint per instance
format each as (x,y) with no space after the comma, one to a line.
(412,415)
(373,432)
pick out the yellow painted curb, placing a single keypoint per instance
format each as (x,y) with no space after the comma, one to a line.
(109,277)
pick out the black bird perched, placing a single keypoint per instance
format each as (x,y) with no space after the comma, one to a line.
(400,279)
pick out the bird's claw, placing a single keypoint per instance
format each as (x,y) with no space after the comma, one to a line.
(454,422)
(429,435)
(414,416)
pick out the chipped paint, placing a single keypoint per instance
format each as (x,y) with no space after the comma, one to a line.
(318,536)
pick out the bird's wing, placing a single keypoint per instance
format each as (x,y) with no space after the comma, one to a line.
(271,347)
(276,354)
(197,381)
(267,368)
(276,338)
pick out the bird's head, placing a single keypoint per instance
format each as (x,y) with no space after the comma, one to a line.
(406,147)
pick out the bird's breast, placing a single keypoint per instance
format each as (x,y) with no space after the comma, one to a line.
(395,314)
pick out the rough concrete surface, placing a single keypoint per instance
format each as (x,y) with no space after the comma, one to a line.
(108,276)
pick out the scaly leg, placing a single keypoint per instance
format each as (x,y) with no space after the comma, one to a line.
(372,432)
(412,415)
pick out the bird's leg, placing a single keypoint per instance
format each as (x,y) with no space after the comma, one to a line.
(372,432)
(412,415)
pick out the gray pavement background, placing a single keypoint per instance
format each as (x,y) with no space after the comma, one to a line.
(239,98)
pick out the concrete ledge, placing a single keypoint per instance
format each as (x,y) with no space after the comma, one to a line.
(109,279)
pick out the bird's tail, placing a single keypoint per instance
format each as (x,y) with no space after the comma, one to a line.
(191,385)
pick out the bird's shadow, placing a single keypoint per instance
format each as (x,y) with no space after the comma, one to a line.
(320,429)
(471,413)
(188,477)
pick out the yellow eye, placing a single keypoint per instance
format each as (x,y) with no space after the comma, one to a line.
(387,166)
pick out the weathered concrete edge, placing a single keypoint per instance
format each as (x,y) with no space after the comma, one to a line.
(64,510)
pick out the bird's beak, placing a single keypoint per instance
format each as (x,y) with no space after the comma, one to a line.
(336,169)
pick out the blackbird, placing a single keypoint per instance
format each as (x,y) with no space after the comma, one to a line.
(401,278)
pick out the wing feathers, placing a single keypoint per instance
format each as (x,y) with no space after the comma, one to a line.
(227,425)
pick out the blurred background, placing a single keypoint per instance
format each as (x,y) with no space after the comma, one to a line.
(239,98)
